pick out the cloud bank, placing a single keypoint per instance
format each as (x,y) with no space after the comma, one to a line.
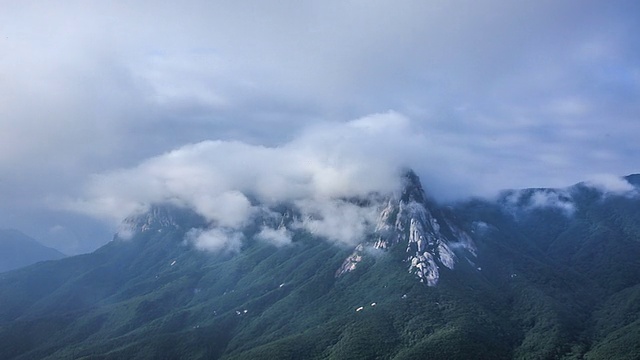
(611,185)
(227,182)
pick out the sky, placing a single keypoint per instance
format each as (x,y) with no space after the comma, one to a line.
(107,105)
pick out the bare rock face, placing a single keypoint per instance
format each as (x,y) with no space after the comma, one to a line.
(411,220)
(158,218)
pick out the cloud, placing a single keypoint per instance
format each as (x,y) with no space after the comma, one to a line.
(328,161)
(506,94)
(317,172)
(337,220)
(278,237)
(541,199)
(215,239)
(554,199)
(611,184)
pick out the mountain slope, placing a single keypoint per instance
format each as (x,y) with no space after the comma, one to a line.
(18,250)
(577,249)
(515,279)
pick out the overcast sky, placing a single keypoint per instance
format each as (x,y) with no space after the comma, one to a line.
(476,96)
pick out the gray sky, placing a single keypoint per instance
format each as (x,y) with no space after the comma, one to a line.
(476,96)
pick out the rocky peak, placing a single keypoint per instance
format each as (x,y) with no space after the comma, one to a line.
(158,218)
(412,188)
(411,220)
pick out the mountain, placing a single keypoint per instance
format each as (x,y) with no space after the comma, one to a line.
(18,250)
(431,239)
(533,274)
(570,259)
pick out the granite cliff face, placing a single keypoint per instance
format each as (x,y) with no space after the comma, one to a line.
(159,218)
(412,220)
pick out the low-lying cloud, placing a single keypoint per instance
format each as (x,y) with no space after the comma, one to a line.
(227,182)
(541,199)
(278,237)
(215,239)
(564,200)
(553,199)
(611,184)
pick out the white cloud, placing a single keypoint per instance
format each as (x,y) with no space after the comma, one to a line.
(315,172)
(228,209)
(337,220)
(506,94)
(610,184)
(215,239)
(554,199)
(278,237)
(540,199)
(125,232)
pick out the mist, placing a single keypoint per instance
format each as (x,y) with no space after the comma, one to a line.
(316,171)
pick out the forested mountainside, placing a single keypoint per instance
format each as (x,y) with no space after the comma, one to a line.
(534,274)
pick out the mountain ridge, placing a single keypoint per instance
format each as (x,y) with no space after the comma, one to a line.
(18,250)
(545,283)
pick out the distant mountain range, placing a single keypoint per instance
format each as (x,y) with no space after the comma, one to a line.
(18,250)
(533,274)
